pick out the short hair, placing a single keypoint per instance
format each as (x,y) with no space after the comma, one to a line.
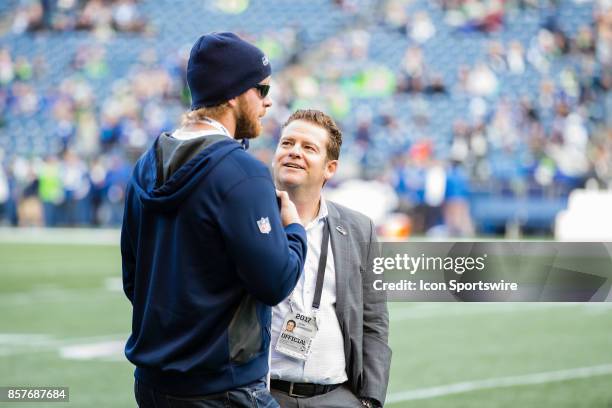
(326,122)
(290,321)
(213,112)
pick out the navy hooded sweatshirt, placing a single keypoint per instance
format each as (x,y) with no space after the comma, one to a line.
(204,256)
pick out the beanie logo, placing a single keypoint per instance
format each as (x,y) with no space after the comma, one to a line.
(264,61)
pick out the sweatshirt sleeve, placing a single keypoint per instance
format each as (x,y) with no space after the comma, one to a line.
(268,257)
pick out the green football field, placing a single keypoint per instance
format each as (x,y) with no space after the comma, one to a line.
(64,320)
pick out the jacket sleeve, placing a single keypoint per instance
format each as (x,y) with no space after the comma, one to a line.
(376,351)
(128,257)
(268,257)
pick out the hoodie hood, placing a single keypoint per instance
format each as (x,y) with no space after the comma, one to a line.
(169,171)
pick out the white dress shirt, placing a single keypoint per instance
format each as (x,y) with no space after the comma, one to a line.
(326,363)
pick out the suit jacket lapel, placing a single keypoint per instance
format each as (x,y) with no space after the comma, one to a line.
(340,249)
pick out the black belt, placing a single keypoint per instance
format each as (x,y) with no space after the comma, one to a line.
(301,390)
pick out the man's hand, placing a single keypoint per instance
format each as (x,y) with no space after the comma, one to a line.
(288,212)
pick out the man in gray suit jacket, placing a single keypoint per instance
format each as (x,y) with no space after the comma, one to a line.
(330,337)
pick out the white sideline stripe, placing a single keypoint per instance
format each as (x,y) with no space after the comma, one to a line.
(59,294)
(60,236)
(108,350)
(15,344)
(55,295)
(528,379)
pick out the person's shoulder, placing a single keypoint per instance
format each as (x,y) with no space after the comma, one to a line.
(247,165)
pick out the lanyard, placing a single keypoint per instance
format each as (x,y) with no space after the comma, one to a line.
(218,126)
(316,301)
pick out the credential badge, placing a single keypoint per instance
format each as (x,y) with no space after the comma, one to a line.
(264,225)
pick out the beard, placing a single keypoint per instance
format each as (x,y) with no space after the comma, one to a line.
(247,124)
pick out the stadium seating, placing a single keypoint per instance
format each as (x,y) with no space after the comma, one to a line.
(174,24)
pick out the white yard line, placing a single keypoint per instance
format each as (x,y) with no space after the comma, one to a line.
(527,379)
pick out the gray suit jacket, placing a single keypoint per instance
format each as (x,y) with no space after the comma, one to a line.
(362,311)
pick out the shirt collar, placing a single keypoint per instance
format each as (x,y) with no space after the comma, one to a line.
(320,216)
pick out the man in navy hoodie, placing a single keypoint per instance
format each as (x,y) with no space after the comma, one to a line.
(205,249)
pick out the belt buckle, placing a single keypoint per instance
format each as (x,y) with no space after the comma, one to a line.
(291,394)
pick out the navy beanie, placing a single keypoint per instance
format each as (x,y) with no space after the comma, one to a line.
(222,66)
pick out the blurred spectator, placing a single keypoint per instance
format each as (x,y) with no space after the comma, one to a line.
(91,60)
(7,70)
(482,81)
(495,56)
(50,190)
(603,20)
(26,101)
(422,29)
(394,14)
(515,58)
(456,212)
(118,174)
(75,208)
(126,17)
(29,16)
(585,43)
(542,50)
(23,69)
(96,15)
(412,71)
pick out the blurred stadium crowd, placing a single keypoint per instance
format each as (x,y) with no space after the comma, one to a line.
(479,114)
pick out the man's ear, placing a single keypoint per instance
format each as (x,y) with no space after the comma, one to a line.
(233,102)
(330,169)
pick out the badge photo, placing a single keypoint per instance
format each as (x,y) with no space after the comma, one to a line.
(297,335)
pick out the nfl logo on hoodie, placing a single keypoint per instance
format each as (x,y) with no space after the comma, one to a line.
(264,225)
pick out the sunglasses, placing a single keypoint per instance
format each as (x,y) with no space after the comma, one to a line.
(263,90)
